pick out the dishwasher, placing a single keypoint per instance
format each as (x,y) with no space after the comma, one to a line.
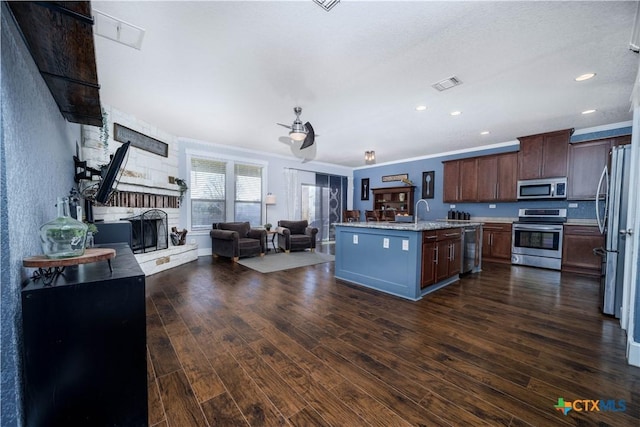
(470,248)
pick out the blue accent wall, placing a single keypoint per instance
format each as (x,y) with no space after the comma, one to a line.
(438,209)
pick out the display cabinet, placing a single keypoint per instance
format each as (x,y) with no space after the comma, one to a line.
(391,201)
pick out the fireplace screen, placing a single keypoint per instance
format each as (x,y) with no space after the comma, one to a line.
(150,231)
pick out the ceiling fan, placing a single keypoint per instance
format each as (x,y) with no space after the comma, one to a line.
(300,132)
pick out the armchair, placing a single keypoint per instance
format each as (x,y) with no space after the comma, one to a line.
(296,236)
(237,239)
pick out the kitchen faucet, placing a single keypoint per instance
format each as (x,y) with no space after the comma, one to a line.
(417,203)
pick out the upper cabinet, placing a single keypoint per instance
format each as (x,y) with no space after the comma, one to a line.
(451,181)
(460,180)
(497,177)
(490,178)
(544,155)
(586,162)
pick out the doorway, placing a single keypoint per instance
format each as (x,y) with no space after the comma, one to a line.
(322,204)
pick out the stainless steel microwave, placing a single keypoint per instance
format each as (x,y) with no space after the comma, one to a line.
(547,188)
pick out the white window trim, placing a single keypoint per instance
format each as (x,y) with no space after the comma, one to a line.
(230,184)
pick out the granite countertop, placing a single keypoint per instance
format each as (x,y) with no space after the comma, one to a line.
(410,226)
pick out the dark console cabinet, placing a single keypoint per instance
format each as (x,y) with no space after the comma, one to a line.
(85,346)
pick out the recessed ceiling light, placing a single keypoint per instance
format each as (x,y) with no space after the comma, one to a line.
(484,132)
(588,111)
(585,77)
(456,113)
(421,107)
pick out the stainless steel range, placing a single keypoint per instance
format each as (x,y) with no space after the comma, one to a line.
(537,238)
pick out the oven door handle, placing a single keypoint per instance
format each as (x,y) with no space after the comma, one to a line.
(542,228)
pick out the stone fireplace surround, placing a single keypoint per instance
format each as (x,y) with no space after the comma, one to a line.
(144,185)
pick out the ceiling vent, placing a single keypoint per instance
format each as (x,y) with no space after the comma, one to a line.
(327,4)
(117,30)
(447,83)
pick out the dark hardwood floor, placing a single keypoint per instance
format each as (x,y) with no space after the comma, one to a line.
(229,346)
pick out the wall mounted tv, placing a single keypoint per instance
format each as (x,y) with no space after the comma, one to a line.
(112,176)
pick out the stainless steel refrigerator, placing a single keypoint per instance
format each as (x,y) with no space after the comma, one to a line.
(611,214)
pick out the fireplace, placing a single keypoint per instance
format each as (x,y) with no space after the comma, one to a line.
(150,231)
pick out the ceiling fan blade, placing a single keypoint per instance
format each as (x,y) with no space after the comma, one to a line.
(286,126)
(310,138)
(285,140)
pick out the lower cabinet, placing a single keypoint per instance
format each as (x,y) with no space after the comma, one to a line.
(84,346)
(441,255)
(577,249)
(496,242)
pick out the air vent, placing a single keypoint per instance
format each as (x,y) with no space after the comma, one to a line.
(327,4)
(447,83)
(117,30)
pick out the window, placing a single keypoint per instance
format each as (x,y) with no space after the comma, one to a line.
(224,190)
(208,192)
(248,203)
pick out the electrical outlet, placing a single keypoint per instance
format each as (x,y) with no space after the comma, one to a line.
(385,243)
(452,206)
(492,206)
(355,239)
(405,245)
(573,205)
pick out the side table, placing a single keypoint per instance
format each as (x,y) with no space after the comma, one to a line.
(271,233)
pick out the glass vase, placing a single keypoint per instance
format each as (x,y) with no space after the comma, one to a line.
(63,237)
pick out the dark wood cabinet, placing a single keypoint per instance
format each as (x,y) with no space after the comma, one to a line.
(577,249)
(468,180)
(460,180)
(84,339)
(441,255)
(497,177)
(586,162)
(387,202)
(496,242)
(544,155)
(451,181)
(429,258)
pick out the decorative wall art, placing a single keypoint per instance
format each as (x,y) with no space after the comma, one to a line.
(427,184)
(364,189)
(399,177)
(139,140)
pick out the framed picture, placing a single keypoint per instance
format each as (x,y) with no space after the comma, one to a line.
(427,184)
(364,189)
(391,178)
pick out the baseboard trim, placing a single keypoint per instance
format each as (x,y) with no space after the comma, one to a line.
(633,353)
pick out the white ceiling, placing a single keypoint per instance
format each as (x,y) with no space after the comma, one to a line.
(226,72)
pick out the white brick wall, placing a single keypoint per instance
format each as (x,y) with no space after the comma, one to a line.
(143,169)
(145,172)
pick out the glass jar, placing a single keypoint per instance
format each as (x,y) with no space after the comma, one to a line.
(89,243)
(63,237)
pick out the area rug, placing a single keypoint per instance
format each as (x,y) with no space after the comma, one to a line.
(283,261)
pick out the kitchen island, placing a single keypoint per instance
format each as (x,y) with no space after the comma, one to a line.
(404,259)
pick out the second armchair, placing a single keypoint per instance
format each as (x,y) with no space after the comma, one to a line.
(296,236)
